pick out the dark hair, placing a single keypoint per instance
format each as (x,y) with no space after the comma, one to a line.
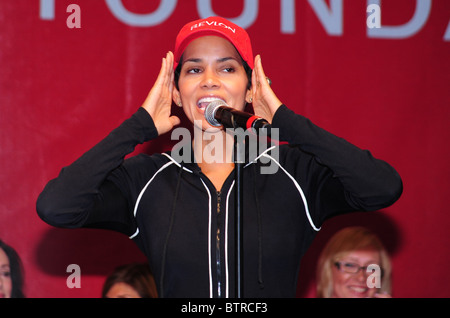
(16,269)
(247,69)
(137,275)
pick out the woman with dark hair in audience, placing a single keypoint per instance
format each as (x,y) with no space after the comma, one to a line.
(11,273)
(130,281)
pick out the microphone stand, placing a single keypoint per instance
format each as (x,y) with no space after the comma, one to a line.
(239,161)
(239,157)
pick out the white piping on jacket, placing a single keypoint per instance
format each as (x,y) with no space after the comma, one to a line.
(227,289)
(172,161)
(177,163)
(299,188)
(226,241)
(142,193)
(264,154)
(209,240)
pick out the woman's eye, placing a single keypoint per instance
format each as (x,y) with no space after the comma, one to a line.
(229,69)
(194,70)
(5,274)
(350,265)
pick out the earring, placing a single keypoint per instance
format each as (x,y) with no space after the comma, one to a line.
(180,104)
(251,99)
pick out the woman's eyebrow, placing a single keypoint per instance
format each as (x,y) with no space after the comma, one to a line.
(357,261)
(193,60)
(219,60)
(224,59)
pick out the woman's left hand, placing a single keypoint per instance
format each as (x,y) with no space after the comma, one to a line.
(265,102)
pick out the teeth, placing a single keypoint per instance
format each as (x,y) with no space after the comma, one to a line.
(202,103)
(359,289)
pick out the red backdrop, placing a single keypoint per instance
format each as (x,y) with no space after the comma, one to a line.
(62,89)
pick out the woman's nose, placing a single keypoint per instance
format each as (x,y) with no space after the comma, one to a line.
(210,80)
(361,275)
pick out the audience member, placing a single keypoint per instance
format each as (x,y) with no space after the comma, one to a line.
(11,273)
(343,272)
(130,281)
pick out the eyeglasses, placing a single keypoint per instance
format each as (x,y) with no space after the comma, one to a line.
(352,268)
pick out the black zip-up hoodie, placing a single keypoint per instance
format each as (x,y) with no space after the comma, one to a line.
(185,226)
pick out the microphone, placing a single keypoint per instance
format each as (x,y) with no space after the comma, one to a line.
(218,113)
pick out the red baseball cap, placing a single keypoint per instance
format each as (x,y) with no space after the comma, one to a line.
(217,26)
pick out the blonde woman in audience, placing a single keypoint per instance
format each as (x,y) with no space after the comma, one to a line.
(354,264)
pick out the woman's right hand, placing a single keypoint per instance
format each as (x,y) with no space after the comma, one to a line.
(159,101)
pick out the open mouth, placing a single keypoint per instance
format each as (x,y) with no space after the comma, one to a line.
(204,102)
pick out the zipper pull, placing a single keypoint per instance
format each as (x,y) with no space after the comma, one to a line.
(218,201)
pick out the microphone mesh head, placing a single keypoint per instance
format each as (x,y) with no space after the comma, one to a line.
(210,112)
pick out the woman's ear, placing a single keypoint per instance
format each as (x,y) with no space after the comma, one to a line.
(249,96)
(176,97)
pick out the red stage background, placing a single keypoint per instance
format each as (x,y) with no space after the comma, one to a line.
(387,89)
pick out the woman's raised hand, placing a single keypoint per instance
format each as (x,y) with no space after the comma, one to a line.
(265,102)
(159,101)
